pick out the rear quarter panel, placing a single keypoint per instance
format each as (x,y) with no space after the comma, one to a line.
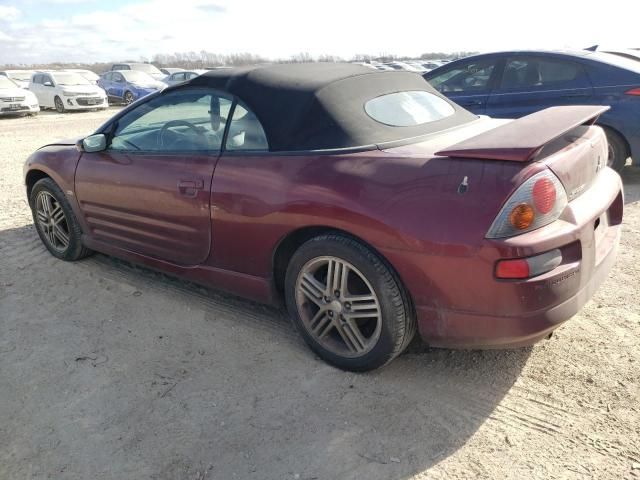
(394,201)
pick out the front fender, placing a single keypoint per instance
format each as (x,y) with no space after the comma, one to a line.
(57,161)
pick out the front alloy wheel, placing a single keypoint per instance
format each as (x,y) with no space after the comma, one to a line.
(55,221)
(128,98)
(52,221)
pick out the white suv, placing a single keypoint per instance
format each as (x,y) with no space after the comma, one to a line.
(67,91)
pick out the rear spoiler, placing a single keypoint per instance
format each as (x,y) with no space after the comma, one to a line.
(520,140)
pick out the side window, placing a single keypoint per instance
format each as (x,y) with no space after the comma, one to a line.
(117,77)
(107,77)
(47,79)
(525,73)
(37,79)
(178,77)
(190,120)
(470,77)
(245,132)
(191,75)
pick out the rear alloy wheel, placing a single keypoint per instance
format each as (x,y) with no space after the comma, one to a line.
(347,304)
(59,104)
(128,98)
(617,150)
(55,222)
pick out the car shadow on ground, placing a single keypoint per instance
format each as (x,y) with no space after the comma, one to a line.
(631,181)
(139,372)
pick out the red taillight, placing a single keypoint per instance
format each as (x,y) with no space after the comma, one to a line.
(633,91)
(544,195)
(518,268)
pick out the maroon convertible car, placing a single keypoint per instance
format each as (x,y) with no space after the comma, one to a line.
(367,201)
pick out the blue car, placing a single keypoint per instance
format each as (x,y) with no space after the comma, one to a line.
(128,85)
(515,84)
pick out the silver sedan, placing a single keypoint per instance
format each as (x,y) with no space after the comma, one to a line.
(179,77)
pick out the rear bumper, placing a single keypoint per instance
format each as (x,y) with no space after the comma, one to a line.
(453,329)
(460,304)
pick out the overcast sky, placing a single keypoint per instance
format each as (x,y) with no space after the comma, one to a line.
(33,31)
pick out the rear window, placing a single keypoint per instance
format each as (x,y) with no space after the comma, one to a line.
(408,109)
(616,60)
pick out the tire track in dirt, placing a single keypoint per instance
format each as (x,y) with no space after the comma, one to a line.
(216,303)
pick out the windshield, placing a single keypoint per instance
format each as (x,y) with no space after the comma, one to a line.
(146,67)
(69,79)
(89,75)
(20,76)
(406,109)
(6,82)
(136,77)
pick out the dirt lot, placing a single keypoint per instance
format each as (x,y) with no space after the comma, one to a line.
(111,371)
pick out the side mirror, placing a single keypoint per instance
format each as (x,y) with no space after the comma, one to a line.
(93,143)
(48,84)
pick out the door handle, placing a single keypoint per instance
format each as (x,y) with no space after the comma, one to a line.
(189,188)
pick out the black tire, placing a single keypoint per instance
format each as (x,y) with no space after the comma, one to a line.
(75,250)
(618,151)
(59,104)
(128,97)
(398,323)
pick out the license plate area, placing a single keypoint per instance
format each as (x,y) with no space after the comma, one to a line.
(15,106)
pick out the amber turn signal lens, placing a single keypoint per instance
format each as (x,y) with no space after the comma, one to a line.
(521,217)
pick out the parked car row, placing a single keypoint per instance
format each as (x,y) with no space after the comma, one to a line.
(28,91)
(501,85)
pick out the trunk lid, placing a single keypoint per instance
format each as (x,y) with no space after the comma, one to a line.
(560,137)
(576,158)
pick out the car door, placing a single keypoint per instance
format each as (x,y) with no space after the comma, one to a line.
(118,85)
(468,83)
(48,91)
(530,83)
(148,192)
(105,83)
(35,86)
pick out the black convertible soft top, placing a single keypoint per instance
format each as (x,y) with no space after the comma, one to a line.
(319,106)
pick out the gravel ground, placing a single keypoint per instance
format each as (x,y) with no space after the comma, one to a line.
(111,371)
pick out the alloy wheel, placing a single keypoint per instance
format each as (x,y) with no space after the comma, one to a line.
(59,105)
(338,306)
(128,98)
(52,221)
